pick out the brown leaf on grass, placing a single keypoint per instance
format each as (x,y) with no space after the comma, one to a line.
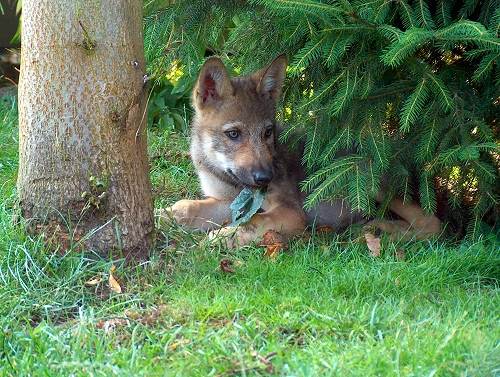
(94,281)
(274,243)
(272,237)
(113,284)
(373,244)
(272,251)
(226,266)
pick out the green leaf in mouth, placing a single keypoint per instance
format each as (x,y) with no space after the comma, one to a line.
(245,205)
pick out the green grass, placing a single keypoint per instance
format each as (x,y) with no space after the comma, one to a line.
(324,308)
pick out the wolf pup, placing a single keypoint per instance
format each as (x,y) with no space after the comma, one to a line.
(234,145)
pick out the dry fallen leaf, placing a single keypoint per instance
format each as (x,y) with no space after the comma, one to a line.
(274,243)
(272,251)
(94,281)
(226,266)
(272,237)
(373,244)
(113,284)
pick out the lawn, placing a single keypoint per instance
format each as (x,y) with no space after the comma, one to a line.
(323,308)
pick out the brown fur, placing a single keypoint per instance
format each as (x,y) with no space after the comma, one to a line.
(245,106)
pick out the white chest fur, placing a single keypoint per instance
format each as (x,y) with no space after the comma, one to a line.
(215,188)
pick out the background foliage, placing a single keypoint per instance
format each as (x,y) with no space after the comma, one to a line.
(409,88)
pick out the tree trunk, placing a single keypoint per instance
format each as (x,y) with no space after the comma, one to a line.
(83,166)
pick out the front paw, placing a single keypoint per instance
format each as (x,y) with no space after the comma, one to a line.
(183,212)
(226,235)
(233,237)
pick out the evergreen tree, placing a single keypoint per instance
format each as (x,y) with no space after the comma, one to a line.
(408,87)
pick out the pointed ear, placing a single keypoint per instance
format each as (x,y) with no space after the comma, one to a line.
(213,84)
(271,79)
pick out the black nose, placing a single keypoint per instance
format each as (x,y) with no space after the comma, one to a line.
(262,177)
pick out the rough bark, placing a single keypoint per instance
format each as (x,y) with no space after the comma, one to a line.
(82,131)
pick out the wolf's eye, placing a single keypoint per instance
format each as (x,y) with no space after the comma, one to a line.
(268,132)
(233,134)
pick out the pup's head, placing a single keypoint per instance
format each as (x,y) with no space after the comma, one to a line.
(235,120)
